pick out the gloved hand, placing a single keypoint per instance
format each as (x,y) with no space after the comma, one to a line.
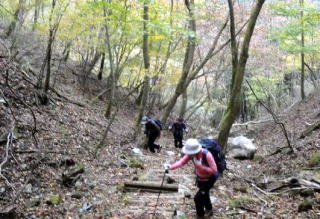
(167,168)
(197,161)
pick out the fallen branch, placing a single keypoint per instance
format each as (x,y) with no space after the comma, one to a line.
(298,184)
(42,151)
(9,144)
(274,116)
(93,100)
(67,98)
(277,151)
(248,209)
(252,122)
(313,127)
(151,186)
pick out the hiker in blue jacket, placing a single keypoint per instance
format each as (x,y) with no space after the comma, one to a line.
(178,128)
(152,130)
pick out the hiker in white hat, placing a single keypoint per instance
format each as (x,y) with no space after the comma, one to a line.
(206,173)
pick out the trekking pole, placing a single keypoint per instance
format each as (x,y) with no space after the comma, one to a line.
(155,208)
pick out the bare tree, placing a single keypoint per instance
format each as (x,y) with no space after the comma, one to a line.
(303,95)
(189,73)
(53,28)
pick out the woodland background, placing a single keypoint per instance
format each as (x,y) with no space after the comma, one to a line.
(77,76)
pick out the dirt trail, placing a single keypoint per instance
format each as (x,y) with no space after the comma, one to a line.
(143,203)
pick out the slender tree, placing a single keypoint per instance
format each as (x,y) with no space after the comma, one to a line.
(303,95)
(53,28)
(238,66)
(146,60)
(189,73)
(188,60)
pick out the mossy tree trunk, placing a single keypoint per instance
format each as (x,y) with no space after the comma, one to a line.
(146,60)
(183,108)
(16,18)
(238,69)
(111,79)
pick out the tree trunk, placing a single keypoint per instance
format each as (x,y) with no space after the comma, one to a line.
(234,49)
(88,69)
(183,107)
(101,66)
(48,64)
(187,76)
(187,63)
(111,79)
(66,51)
(146,60)
(303,96)
(47,61)
(16,18)
(36,14)
(234,102)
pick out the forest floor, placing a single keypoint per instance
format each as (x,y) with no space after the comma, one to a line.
(50,141)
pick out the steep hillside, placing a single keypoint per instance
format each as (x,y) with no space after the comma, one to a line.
(48,167)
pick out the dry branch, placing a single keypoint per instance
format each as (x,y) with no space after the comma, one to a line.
(313,127)
(9,144)
(252,122)
(67,98)
(297,184)
(42,151)
(274,116)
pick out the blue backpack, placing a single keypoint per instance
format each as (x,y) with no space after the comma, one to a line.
(215,149)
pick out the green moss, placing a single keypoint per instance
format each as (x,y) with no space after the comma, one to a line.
(317,175)
(55,199)
(125,199)
(242,200)
(314,160)
(258,158)
(142,176)
(120,187)
(241,188)
(135,163)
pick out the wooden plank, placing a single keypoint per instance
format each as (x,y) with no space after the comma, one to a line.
(151,186)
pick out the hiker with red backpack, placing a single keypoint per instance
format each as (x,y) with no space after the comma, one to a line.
(206,171)
(152,130)
(178,128)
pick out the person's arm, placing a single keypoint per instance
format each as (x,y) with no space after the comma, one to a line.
(185,128)
(211,168)
(180,162)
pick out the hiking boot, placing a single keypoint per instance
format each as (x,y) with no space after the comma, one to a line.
(209,213)
(200,217)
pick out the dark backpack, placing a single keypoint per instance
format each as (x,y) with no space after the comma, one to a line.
(215,149)
(157,122)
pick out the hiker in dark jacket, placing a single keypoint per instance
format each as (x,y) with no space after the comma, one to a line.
(178,128)
(206,172)
(153,131)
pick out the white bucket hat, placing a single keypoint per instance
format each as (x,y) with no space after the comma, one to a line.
(191,147)
(144,120)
